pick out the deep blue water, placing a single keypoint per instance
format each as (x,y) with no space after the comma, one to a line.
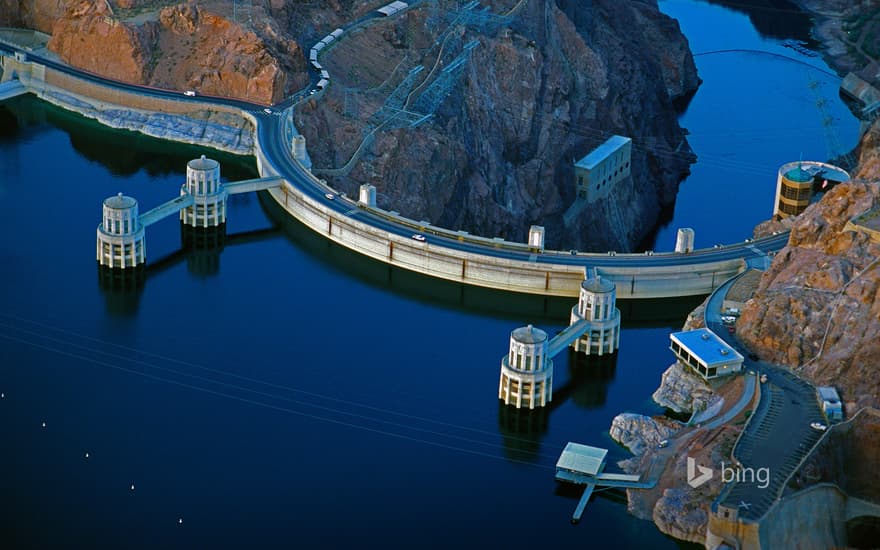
(753,113)
(281,391)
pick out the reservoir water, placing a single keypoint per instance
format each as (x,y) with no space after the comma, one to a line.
(276,390)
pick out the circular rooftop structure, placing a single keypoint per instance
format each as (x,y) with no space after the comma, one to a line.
(804,171)
(120,202)
(203,163)
(799,175)
(529,335)
(598,285)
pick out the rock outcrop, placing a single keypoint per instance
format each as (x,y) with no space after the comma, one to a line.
(639,433)
(536,95)
(33,14)
(211,54)
(681,513)
(682,391)
(869,155)
(817,309)
(89,37)
(182,47)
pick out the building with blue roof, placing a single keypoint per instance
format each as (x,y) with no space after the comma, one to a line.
(706,353)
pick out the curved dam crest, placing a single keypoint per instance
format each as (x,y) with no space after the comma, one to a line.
(386,236)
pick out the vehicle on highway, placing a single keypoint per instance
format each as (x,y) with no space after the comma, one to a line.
(663,444)
(728,320)
(763,378)
(818,426)
(189,93)
(329,196)
(419,237)
(268,111)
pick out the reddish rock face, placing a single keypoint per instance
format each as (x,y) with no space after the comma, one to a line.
(180,47)
(817,309)
(32,14)
(210,54)
(88,37)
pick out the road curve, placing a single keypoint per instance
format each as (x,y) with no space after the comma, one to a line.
(275,150)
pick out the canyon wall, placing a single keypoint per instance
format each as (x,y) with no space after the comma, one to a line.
(536,95)
(183,46)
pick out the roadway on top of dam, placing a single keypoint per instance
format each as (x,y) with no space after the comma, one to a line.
(270,133)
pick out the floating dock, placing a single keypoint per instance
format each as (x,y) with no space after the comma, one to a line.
(584,465)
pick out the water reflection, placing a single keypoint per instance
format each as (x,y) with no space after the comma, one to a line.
(589,378)
(523,308)
(521,431)
(586,386)
(121,152)
(122,289)
(200,248)
(779,19)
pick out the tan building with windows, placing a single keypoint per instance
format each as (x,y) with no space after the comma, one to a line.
(796,182)
(597,173)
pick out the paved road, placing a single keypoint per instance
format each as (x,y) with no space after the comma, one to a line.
(778,435)
(778,438)
(271,136)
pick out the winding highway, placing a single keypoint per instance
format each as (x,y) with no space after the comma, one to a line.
(276,151)
(271,139)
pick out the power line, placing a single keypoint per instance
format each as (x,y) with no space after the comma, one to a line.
(89,353)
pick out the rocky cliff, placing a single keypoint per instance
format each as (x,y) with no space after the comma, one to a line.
(817,309)
(32,14)
(184,46)
(638,433)
(536,94)
(89,37)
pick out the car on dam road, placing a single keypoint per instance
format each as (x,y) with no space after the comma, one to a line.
(419,237)
(329,196)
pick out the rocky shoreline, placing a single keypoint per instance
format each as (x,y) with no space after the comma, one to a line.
(826,269)
(206,129)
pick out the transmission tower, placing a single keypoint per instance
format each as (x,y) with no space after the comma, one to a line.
(393,106)
(481,18)
(433,96)
(835,148)
(351,102)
